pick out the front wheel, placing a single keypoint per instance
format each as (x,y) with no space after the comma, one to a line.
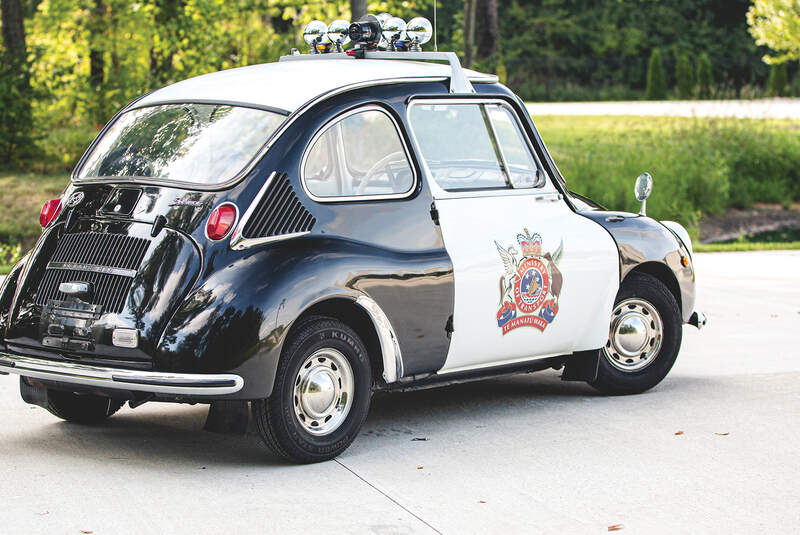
(321,393)
(644,337)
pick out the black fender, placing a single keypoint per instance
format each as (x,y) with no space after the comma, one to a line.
(647,246)
(238,318)
(7,291)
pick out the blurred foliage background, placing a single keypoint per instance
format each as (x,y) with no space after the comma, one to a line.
(66,66)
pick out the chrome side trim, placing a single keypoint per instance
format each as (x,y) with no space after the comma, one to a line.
(236,237)
(245,243)
(140,381)
(346,198)
(390,348)
(91,267)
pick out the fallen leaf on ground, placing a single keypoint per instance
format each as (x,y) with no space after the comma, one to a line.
(678,432)
(481,501)
(419,468)
(615,527)
(420,439)
(86,531)
(722,434)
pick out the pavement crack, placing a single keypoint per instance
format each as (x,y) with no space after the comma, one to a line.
(398,504)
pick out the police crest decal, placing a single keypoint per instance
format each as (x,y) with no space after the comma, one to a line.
(530,287)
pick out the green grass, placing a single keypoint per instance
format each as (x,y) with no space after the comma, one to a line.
(699,165)
(745,246)
(22,196)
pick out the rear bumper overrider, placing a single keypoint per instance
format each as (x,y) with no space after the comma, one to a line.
(182,384)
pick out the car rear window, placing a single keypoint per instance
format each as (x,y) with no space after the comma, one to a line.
(197,143)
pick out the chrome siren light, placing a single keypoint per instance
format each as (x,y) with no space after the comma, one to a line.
(315,33)
(338,33)
(419,31)
(393,31)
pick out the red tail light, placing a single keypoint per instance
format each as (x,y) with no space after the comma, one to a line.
(49,212)
(221,221)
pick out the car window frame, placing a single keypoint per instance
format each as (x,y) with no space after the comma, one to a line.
(359,198)
(167,182)
(547,188)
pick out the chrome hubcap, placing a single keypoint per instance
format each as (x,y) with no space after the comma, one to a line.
(635,335)
(323,391)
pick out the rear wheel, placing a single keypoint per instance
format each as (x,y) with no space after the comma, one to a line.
(321,393)
(644,337)
(83,409)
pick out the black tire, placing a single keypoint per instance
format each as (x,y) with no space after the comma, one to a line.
(277,423)
(82,409)
(613,381)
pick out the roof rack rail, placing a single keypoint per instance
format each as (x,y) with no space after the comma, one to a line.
(459,83)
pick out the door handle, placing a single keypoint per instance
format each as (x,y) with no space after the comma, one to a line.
(548,197)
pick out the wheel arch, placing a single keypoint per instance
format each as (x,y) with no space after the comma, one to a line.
(366,318)
(663,273)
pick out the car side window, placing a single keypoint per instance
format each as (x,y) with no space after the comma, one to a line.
(358,155)
(473,146)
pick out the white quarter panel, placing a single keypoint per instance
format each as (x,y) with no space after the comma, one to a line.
(588,266)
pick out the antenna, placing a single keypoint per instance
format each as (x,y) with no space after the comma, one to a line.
(435,44)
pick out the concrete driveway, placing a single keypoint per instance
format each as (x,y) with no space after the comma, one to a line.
(712,449)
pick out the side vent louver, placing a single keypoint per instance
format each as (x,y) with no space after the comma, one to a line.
(278,212)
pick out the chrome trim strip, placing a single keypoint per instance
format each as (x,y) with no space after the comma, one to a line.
(390,348)
(236,237)
(92,267)
(245,243)
(140,381)
(333,122)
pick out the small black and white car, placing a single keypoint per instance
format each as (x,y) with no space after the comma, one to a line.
(295,236)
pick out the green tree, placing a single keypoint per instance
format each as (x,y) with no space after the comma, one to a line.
(16,121)
(656,80)
(776,24)
(684,76)
(705,77)
(778,82)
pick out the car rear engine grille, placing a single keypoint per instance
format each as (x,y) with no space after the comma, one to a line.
(107,261)
(278,212)
(100,249)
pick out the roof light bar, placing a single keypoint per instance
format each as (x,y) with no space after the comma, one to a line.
(369,33)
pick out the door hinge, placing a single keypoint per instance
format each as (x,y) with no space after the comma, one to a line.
(448,327)
(434,214)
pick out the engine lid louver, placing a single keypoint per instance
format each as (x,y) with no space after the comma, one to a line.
(278,212)
(108,261)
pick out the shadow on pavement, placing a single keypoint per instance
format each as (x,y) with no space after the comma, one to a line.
(164,435)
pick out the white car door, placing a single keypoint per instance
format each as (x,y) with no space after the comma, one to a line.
(533,279)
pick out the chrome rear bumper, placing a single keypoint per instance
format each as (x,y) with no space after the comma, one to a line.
(132,380)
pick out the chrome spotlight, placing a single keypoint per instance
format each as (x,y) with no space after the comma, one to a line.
(419,31)
(338,33)
(315,35)
(393,31)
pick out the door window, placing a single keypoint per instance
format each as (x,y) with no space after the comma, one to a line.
(359,155)
(477,146)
